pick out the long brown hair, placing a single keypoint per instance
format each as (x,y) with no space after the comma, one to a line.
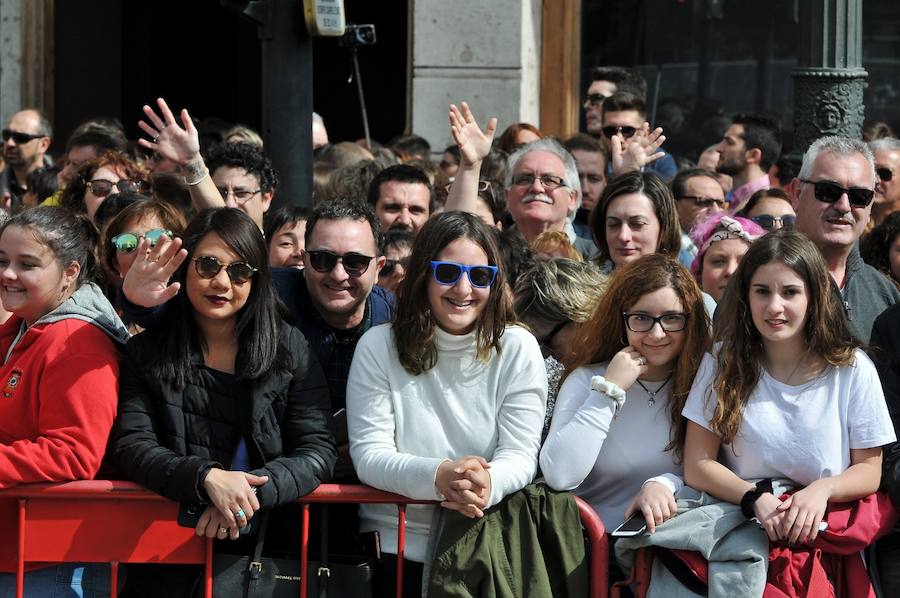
(414,325)
(604,335)
(740,348)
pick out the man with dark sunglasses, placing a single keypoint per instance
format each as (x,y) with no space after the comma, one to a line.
(833,199)
(625,115)
(605,81)
(887,169)
(26,138)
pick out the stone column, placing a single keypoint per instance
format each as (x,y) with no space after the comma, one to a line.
(829,79)
(26,56)
(486,53)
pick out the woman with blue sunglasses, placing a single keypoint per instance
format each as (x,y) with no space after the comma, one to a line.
(448,402)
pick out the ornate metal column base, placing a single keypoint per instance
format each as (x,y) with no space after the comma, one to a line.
(827,101)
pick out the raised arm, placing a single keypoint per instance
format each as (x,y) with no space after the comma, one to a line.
(474,144)
(181,144)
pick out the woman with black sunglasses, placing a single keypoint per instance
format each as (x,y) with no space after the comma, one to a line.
(448,402)
(222,405)
(110,172)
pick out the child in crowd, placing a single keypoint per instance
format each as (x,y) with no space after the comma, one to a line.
(722,242)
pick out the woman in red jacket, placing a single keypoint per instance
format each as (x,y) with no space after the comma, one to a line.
(59,369)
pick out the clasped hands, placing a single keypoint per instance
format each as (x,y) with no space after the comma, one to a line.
(795,520)
(232,495)
(465,484)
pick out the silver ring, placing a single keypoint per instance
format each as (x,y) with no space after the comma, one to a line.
(155,138)
(642,361)
(239,513)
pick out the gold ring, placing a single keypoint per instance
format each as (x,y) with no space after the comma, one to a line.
(223,529)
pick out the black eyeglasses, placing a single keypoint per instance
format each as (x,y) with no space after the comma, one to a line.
(355,264)
(674,322)
(626,131)
(128,242)
(20,138)
(209,266)
(391,265)
(548,181)
(705,202)
(829,192)
(767,221)
(448,273)
(103,187)
(594,99)
(885,174)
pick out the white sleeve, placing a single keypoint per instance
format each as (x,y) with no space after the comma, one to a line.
(371,426)
(869,421)
(520,419)
(700,406)
(580,423)
(671,481)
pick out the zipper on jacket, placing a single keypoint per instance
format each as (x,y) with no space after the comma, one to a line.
(847,310)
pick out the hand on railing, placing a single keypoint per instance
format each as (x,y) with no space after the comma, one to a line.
(233,494)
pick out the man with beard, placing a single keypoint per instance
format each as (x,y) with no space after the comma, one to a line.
(748,149)
(833,199)
(26,138)
(402,197)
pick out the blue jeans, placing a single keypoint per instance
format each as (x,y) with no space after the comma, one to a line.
(67,580)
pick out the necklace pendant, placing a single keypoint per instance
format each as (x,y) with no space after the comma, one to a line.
(651,400)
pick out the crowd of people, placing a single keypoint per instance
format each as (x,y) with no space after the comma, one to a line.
(702,342)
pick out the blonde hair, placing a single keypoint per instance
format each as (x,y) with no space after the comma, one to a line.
(555,242)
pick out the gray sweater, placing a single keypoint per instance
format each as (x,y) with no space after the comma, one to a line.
(866,294)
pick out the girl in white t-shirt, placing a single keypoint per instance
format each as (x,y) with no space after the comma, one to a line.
(785,394)
(617,431)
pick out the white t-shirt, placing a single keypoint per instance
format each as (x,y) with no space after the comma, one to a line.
(603,460)
(803,433)
(402,427)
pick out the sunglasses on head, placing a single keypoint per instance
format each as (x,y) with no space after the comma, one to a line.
(767,221)
(209,266)
(128,242)
(102,187)
(626,131)
(355,264)
(448,273)
(20,138)
(885,174)
(829,192)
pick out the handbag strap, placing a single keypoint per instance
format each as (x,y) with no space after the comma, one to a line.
(324,571)
(256,560)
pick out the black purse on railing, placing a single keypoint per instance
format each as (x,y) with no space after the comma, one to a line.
(257,576)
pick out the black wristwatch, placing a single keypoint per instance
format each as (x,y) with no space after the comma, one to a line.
(751,496)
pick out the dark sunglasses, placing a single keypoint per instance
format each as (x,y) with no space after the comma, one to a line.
(102,187)
(594,99)
(355,264)
(20,138)
(209,266)
(829,192)
(128,242)
(391,265)
(885,174)
(447,273)
(768,221)
(626,132)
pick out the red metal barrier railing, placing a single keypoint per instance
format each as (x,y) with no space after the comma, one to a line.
(122,522)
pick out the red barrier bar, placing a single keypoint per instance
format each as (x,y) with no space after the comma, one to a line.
(20,558)
(599,544)
(304,548)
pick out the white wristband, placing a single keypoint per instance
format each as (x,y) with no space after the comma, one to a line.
(610,389)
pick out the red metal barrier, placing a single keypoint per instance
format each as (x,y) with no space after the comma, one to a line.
(121,522)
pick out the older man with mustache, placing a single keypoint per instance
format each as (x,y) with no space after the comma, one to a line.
(833,200)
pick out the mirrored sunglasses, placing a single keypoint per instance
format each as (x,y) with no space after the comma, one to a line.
(128,242)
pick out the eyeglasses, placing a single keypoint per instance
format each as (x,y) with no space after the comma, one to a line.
(447,164)
(885,174)
(829,192)
(626,132)
(103,187)
(391,265)
(548,181)
(674,322)
(767,221)
(209,266)
(484,185)
(128,242)
(447,273)
(705,202)
(594,99)
(241,196)
(20,138)
(355,264)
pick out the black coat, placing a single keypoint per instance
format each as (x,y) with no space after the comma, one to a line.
(885,352)
(292,441)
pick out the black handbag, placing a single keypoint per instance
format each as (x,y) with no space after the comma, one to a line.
(257,576)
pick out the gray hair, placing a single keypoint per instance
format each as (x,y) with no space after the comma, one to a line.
(558,290)
(885,144)
(552,146)
(836,144)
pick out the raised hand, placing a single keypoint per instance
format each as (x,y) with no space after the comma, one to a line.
(179,143)
(637,152)
(147,280)
(473,142)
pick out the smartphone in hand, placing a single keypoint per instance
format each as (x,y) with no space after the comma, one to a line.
(634,526)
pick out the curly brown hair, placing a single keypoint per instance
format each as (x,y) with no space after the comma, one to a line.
(601,337)
(740,348)
(73,196)
(414,325)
